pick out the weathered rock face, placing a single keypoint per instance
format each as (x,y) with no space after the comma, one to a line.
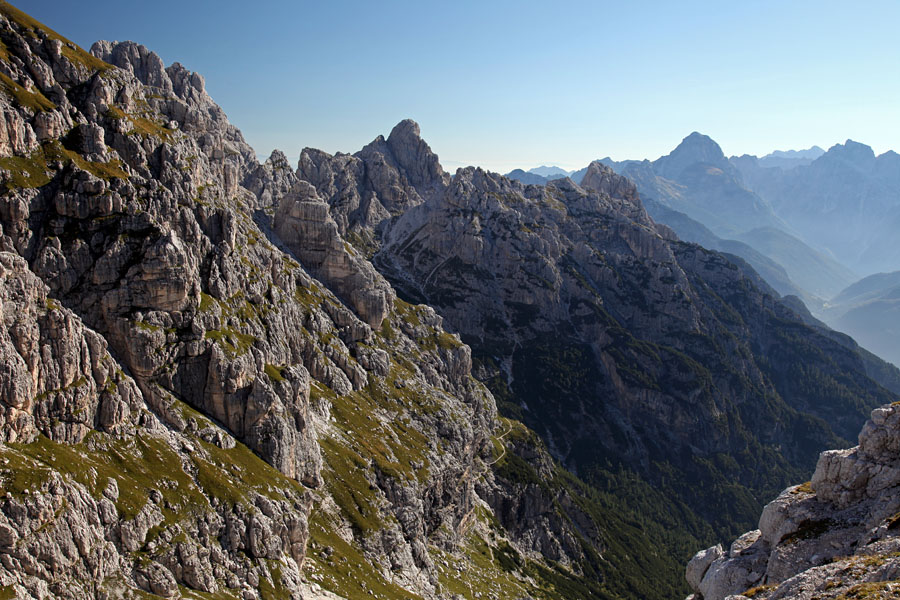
(382,180)
(105,253)
(622,191)
(179,352)
(835,537)
(57,376)
(304,222)
(621,345)
(131,245)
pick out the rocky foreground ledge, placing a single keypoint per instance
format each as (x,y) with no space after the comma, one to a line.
(837,536)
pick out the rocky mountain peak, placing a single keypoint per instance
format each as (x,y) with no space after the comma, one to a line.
(405,130)
(384,179)
(695,148)
(178,93)
(414,156)
(855,153)
(278,159)
(602,178)
(136,59)
(150,70)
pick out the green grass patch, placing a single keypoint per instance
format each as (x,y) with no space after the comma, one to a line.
(142,463)
(349,488)
(32,99)
(70,50)
(104,170)
(207,302)
(375,433)
(308,296)
(148,128)
(344,571)
(232,341)
(274,587)
(137,465)
(115,113)
(25,172)
(231,475)
(274,372)
(33,171)
(804,488)
(407,312)
(147,326)
(869,591)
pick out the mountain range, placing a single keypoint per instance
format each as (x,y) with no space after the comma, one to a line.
(870,311)
(362,376)
(810,222)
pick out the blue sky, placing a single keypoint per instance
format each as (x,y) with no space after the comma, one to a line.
(518,84)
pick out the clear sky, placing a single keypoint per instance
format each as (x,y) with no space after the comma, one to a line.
(518,84)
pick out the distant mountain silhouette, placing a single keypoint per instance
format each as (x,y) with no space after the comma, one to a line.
(552,172)
(846,203)
(527,177)
(789,159)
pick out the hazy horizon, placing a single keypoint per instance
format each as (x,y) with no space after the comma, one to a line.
(507,85)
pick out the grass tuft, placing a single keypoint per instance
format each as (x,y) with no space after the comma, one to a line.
(32,99)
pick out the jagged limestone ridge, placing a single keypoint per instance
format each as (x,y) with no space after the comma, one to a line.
(142,215)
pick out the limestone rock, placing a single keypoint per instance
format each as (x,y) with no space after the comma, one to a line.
(304,222)
(700,563)
(384,179)
(161,340)
(830,538)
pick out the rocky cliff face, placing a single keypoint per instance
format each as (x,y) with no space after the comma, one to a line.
(833,537)
(207,389)
(624,348)
(378,182)
(591,317)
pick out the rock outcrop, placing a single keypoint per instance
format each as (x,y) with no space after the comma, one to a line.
(382,180)
(303,221)
(57,378)
(834,537)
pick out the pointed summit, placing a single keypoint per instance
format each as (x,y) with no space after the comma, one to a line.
(858,155)
(604,179)
(621,190)
(695,148)
(411,155)
(407,129)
